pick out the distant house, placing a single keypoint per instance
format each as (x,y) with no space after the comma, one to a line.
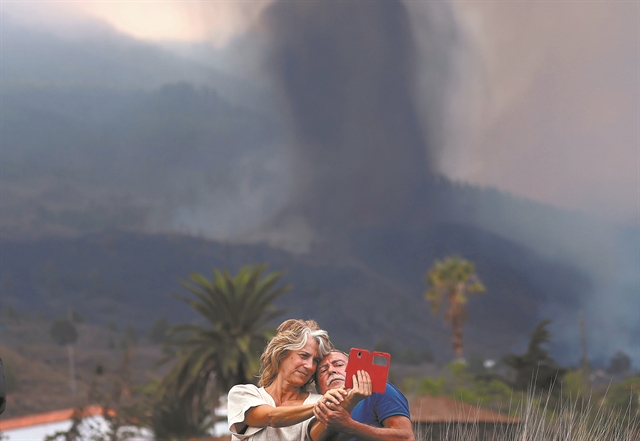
(434,419)
(38,426)
(443,418)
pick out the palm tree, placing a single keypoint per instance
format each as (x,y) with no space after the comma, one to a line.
(210,359)
(451,280)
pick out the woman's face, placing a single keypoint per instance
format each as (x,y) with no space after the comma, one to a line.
(298,367)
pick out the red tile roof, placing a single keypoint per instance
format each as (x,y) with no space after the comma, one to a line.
(425,409)
(428,409)
(46,418)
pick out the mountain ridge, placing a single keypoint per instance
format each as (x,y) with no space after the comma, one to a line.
(129,277)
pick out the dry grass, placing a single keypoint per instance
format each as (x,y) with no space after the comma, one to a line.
(569,421)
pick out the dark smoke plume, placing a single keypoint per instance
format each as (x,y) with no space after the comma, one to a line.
(347,71)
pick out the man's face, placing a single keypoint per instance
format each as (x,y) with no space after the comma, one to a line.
(332,372)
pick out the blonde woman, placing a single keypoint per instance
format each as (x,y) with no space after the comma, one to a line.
(280,408)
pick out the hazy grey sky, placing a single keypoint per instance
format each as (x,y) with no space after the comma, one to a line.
(554,100)
(539,99)
(544,99)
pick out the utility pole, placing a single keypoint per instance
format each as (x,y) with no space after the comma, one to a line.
(72,361)
(585,360)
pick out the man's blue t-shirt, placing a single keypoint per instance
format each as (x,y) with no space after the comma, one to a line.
(375,409)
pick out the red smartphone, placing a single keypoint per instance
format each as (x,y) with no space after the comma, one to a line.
(375,363)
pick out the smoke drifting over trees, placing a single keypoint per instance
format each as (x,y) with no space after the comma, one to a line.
(348,75)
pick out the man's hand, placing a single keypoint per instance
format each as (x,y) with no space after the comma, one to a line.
(334,418)
(362,388)
(333,409)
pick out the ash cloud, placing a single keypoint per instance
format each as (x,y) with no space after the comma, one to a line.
(369,107)
(347,74)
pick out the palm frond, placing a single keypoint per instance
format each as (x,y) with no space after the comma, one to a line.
(237,310)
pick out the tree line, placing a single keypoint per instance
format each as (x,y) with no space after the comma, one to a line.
(205,360)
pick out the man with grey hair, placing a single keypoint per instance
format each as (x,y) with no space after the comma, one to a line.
(378,417)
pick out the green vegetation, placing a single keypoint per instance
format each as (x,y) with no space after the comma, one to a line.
(167,418)
(210,359)
(535,368)
(122,421)
(551,402)
(562,412)
(451,280)
(624,396)
(204,359)
(457,382)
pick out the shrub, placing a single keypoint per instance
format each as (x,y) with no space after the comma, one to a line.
(431,387)
(625,396)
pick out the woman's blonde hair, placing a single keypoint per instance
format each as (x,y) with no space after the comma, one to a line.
(292,335)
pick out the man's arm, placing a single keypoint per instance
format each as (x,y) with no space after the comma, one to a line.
(362,388)
(336,419)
